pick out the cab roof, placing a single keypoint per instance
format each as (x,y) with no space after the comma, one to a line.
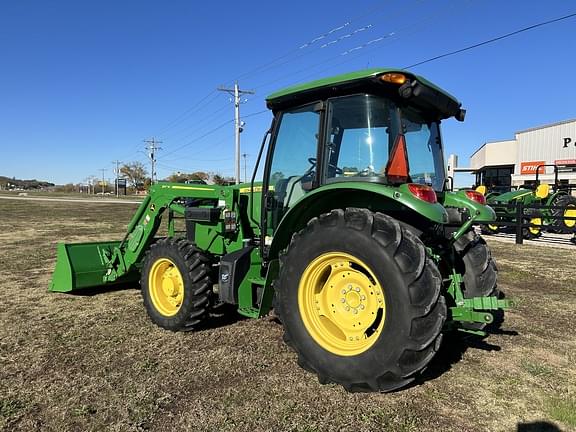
(358,81)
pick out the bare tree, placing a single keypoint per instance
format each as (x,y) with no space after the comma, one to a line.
(135,173)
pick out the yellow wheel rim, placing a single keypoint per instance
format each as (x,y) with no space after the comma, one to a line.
(570,212)
(166,287)
(535,230)
(493,227)
(341,303)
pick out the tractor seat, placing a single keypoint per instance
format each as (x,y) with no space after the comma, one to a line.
(542,191)
(294,191)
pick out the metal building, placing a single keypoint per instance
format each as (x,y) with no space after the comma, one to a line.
(505,164)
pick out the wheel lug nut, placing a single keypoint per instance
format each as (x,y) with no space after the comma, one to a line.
(347,308)
(351,338)
(343,291)
(357,289)
(362,297)
(342,300)
(355,311)
(361,306)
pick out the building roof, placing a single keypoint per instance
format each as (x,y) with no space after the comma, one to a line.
(489,142)
(524,131)
(546,126)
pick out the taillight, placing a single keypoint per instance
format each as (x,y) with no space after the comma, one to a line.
(476,196)
(423,192)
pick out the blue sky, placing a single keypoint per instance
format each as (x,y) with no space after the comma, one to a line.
(84,83)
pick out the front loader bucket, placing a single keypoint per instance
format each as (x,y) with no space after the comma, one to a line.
(82,265)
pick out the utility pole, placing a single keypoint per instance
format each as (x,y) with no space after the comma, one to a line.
(236,92)
(244,155)
(103,181)
(117,172)
(152,148)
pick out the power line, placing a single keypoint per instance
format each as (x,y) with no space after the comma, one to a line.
(368,12)
(388,37)
(205,121)
(179,119)
(199,138)
(489,41)
(372,12)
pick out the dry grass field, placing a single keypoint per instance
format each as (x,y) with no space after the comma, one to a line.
(95,362)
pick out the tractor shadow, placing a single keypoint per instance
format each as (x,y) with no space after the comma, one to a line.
(102,289)
(454,345)
(221,315)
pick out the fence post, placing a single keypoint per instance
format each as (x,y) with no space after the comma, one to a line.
(519,222)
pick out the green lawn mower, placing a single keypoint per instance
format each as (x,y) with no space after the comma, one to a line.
(546,208)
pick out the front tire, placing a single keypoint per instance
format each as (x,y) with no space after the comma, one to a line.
(360,301)
(534,230)
(490,229)
(176,284)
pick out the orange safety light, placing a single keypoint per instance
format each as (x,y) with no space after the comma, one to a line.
(397,169)
(394,78)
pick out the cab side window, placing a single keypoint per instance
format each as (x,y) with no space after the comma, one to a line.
(293,166)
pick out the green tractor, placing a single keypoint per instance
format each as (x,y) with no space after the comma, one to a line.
(553,208)
(351,236)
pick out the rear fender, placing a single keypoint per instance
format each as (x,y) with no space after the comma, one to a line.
(478,212)
(395,201)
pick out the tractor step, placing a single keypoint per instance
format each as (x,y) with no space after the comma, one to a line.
(476,309)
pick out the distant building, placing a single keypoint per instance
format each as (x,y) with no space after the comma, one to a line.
(502,164)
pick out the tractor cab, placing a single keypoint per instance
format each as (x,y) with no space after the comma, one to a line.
(379,127)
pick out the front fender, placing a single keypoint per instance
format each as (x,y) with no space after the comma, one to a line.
(374,196)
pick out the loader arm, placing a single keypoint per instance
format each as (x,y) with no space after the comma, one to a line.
(145,223)
(86,265)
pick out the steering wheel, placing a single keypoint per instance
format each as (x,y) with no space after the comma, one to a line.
(313,163)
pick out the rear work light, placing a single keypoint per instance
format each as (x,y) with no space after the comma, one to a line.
(476,196)
(423,192)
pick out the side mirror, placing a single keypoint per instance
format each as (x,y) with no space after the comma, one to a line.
(449,183)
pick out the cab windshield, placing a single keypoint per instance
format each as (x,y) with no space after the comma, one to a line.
(362,131)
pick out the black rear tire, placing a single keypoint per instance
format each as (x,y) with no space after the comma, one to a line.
(190,309)
(565,203)
(410,281)
(480,274)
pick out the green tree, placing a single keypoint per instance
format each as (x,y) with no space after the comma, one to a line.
(222,180)
(135,173)
(180,177)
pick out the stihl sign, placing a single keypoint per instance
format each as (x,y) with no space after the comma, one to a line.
(531,167)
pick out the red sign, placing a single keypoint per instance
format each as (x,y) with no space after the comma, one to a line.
(565,162)
(531,167)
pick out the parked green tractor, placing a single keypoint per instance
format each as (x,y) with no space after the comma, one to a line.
(351,235)
(547,208)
